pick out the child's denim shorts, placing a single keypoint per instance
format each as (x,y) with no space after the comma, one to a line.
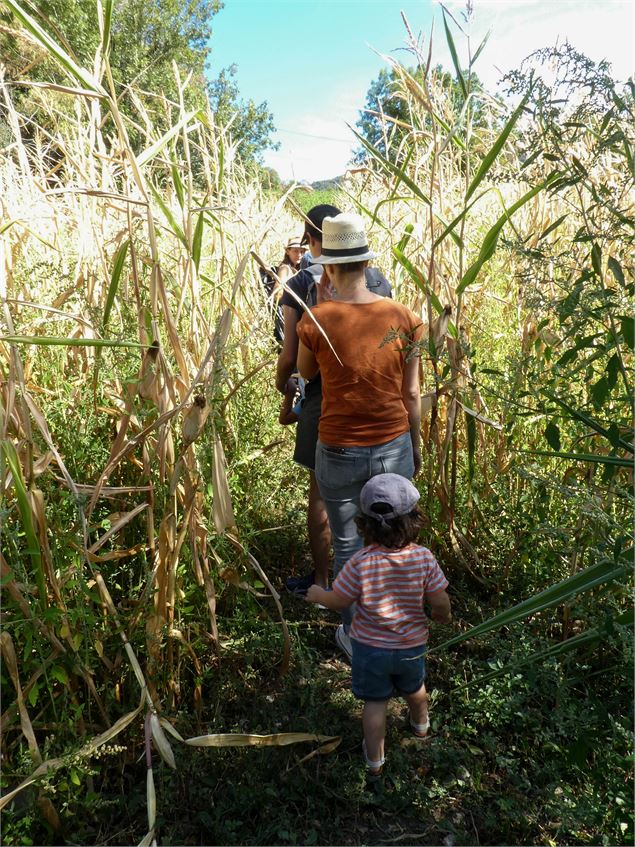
(381,672)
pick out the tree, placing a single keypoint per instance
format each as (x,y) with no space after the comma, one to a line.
(148,37)
(250,124)
(389,116)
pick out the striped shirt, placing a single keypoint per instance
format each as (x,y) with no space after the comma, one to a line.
(389,588)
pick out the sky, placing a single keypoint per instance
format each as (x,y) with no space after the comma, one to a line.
(312,61)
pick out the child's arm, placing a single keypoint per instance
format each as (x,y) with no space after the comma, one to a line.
(330,599)
(440,606)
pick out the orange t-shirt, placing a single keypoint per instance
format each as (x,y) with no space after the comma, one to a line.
(362,401)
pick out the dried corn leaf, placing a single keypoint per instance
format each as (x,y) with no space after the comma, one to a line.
(161,742)
(119,524)
(11,663)
(279,739)
(222,505)
(151,798)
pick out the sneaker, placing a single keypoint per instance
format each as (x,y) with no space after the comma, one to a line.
(299,585)
(343,641)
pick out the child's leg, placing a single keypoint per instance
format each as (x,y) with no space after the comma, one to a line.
(374,724)
(418,703)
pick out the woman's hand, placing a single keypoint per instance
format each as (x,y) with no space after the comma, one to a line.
(416,455)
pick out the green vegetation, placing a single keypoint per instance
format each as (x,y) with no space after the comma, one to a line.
(151,510)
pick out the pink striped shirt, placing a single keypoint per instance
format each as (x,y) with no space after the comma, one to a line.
(389,588)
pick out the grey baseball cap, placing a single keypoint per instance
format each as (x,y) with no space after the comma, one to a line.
(390,488)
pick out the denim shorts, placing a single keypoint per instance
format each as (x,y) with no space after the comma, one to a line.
(381,672)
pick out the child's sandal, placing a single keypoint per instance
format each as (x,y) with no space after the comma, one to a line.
(374,768)
(419,730)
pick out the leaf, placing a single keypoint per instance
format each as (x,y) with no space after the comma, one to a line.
(581,582)
(612,370)
(552,434)
(586,419)
(583,457)
(600,391)
(222,511)
(589,638)
(26,514)
(117,268)
(59,674)
(417,277)
(627,326)
(616,269)
(489,243)
(596,259)
(479,49)
(174,226)
(197,240)
(150,152)
(454,55)
(50,341)
(553,226)
(279,739)
(491,156)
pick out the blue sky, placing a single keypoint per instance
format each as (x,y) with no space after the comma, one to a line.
(313,60)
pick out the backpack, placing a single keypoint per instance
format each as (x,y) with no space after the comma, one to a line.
(269,281)
(267,278)
(375,282)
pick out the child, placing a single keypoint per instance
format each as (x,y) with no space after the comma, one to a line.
(293,399)
(388,580)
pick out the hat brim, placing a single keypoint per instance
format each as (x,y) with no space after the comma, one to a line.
(340,260)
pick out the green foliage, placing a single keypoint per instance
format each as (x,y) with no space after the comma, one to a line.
(147,39)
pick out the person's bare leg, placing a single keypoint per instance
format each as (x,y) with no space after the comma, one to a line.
(374,724)
(319,533)
(418,704)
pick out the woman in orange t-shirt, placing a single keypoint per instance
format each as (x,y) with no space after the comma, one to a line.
(371,403)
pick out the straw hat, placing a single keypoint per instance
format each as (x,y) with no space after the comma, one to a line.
(344,240)
(294,241)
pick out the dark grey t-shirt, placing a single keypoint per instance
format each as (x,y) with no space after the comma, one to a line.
(303,284)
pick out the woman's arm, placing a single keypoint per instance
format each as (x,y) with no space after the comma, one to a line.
(289,353)
(307,363)
(411,393)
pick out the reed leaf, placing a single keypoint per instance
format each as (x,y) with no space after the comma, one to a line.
(24,507)
(454,54)
(489,242)
(599,574)
(497,146)
(590,638)
(594,458)
(154,149)
(50,341)
(115,276)
(174,226)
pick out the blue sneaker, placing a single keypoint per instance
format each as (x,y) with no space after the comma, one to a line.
(299,585)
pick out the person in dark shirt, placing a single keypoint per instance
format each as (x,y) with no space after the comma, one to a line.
(305,285)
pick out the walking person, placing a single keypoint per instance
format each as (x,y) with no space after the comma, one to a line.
(274,288)
(305,285)
(369,366)
(389,580)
